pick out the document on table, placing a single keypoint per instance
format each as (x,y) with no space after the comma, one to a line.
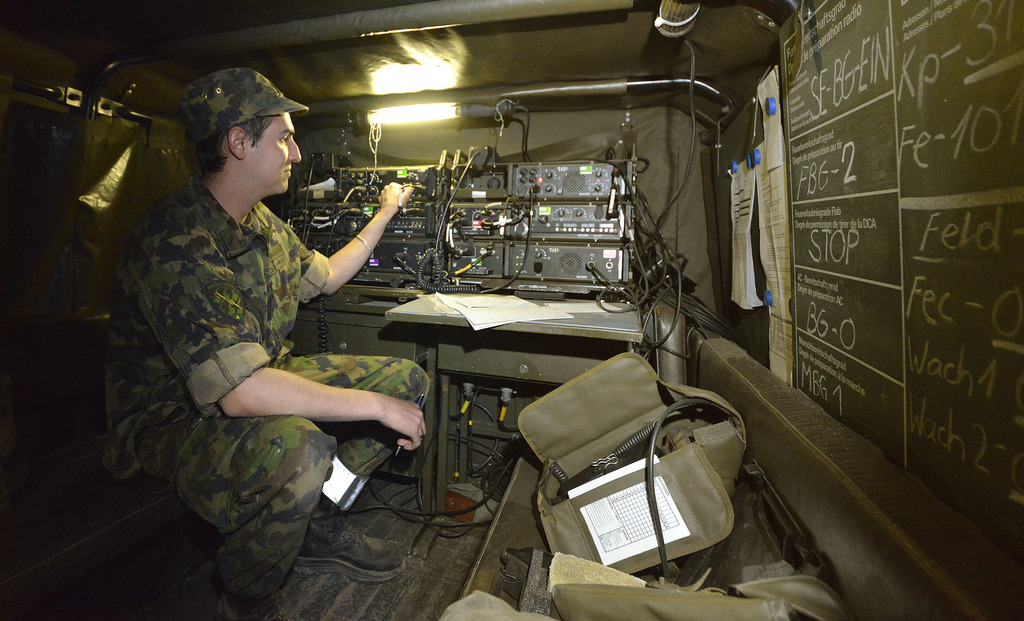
(487,311)
(576,307)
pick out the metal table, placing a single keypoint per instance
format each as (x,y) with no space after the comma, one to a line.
(526,359)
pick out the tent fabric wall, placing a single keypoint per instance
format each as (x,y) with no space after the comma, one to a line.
(71,188)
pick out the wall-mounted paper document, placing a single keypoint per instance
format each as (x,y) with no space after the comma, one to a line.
(744,191)
(773,222)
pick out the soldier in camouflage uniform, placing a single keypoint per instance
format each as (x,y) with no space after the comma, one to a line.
(201,387)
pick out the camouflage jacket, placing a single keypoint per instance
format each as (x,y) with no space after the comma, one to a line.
(199,302)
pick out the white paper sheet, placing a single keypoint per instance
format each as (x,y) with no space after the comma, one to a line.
(487,311)
(744,192)
(773,149)
(773,221)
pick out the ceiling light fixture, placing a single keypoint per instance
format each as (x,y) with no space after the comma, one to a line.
(414,113)
(437,112)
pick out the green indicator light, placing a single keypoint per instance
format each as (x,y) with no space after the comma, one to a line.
(586,170)
(544,211)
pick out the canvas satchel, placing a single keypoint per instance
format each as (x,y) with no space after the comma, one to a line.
(586,419)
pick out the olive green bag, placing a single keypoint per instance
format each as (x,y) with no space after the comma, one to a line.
(576,427)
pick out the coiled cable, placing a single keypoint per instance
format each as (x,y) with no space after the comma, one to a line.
(429,258)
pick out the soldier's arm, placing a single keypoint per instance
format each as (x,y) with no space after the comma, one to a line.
(347,261)
(270,391)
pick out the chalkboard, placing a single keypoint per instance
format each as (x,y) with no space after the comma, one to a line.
(905,131)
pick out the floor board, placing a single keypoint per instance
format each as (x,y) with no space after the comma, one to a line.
(171,578)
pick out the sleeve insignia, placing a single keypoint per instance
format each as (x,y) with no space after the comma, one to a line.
(225,299)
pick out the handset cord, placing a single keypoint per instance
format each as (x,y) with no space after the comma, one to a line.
(652,502)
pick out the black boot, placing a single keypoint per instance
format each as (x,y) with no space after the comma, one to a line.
(332,545)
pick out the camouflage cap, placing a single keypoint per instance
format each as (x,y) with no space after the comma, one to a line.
(225,98)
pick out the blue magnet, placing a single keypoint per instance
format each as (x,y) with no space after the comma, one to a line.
(771,106)
(735,167)
(768,298)
(754,158)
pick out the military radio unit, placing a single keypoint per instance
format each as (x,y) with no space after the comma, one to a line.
(544,227)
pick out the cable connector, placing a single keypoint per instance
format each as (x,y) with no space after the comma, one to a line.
(467,396)
(506,399)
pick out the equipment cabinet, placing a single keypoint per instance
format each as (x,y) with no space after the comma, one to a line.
(481,379)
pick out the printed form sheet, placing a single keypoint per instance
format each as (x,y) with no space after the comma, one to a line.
(620,524)
(744,191)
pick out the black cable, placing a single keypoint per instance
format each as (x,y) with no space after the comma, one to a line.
(494,450)
(443,216)
(610,288)
(477,445)
(652,502)
(487,497)
(675,317)
(526,133)
(330,234)
(429,518)
(389,501)
(400,260)
(488,486)
(469,403)
(673,352)
(695,309)
(430,521)
(436,257)
(659,268)
(526,249)
(324,338)
(431,259)
(659,274)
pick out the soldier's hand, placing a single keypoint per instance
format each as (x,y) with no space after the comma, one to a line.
(394,197)
(406,418)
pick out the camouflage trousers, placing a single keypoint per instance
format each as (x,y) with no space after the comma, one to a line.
(258,480)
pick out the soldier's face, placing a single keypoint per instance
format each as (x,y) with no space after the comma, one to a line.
(275,155)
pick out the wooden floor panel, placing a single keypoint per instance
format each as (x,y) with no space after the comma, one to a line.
(171,579)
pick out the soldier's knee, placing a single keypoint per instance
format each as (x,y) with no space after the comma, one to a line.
(419,379)
(298,453)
